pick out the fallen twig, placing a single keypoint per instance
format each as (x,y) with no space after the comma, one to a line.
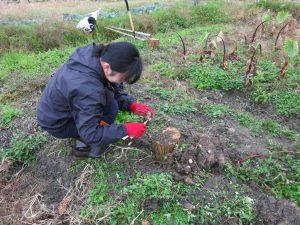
(262,156)
(132,222)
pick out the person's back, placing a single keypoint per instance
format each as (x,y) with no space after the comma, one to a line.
(81,72)
(86,93)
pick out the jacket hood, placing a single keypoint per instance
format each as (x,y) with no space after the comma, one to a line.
(83,60)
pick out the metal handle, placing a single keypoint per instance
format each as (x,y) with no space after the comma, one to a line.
(130,18)
(127,6)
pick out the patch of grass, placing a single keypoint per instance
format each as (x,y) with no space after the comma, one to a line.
(42,37)
(287,103)
(171,70)
(23,149)
(7,113)
(279,5)
(267,88)
(263,81)
(165,69)
(280,176)
(33,64)
(121,201)
(159,186)
(256,125)
(209,76)
(172,18)
(222,206)
(211,12)
(216,110)
(175,17)
(171,213)
(174,101)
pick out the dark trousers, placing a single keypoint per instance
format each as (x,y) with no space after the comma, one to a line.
(70,131)
(109,115)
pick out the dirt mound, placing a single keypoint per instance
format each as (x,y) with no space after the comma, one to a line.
(280,212)
(207,153)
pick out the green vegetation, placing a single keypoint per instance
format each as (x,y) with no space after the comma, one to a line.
(268,126)
(213,77)
(23,149)
(211,13)
(287,103)
(48,35)
(130,199)
(279,5)
(271,174)
(233,205)
(174,101)
(115,199)
(55,34)
(164,69)
(33,64)
(121,191)
(7,113)
(127,117)
(267,89)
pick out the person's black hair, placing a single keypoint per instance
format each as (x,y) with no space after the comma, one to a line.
(123,57)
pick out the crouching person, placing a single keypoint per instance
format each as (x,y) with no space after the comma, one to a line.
(83,97)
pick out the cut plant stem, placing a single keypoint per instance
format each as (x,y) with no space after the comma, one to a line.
(224,63)
(279,33)
(251,69)
(183,45)
(283,69)
(255,31)
(169,138)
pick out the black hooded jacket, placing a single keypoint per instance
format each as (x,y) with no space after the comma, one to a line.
(79,91)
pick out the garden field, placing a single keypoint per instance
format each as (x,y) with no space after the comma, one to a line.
(226,75)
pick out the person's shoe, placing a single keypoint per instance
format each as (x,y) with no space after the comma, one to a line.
(99,151)
(82,150)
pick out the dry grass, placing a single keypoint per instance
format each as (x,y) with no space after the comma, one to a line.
(55,9)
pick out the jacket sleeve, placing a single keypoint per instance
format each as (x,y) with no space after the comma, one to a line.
(124,99)
(87,110)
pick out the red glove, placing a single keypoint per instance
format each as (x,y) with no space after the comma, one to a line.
(135,129)
(141,109)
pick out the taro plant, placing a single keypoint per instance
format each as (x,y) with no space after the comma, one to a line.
(265,19)
(205,51)
(282,18)
(183,46)
(211,46)
(291,50)
(252,65)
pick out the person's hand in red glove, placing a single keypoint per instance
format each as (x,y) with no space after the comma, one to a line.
(141,109)
(135,129)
